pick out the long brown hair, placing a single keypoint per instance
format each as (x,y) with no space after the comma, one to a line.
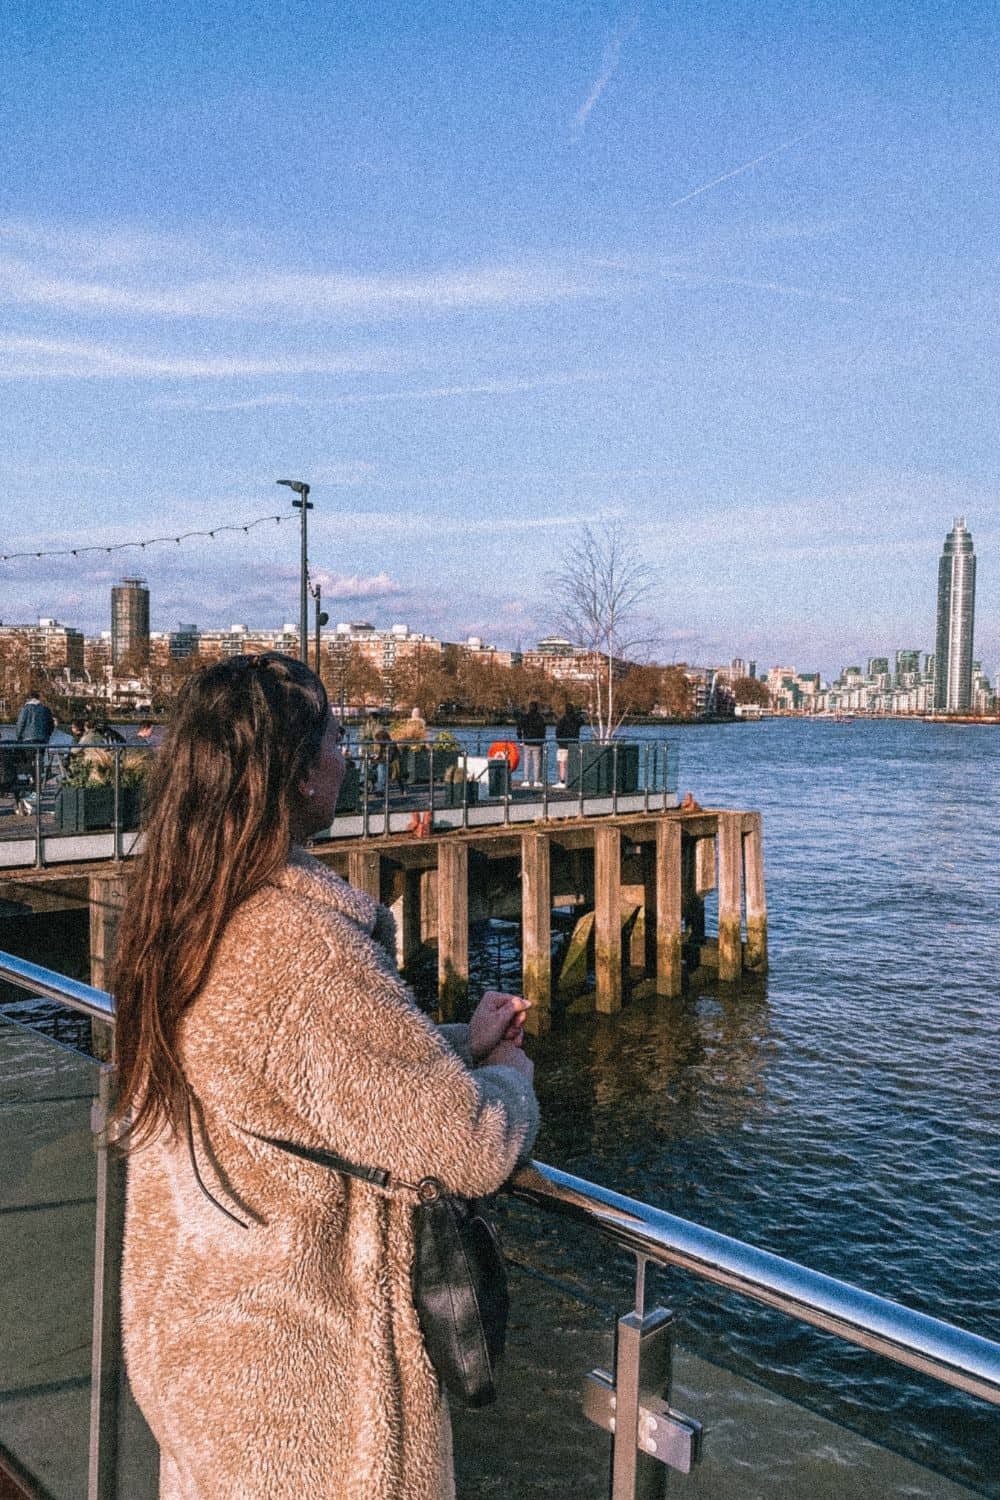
(221,797)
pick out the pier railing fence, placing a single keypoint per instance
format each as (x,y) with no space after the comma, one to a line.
(71,803)
(69,1429)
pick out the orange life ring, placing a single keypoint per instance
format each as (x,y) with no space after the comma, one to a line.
(505,750)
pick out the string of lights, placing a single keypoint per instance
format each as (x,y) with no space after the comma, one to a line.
(150,541)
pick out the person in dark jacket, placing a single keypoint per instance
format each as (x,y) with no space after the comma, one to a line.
(34,726)
(568,727)
(35,722)
(531,733)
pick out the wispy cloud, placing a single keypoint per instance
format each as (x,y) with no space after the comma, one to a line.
(255,297)
(43,358)
(365,398)
(411,524)
(745,166)
(113,245)
(609,67)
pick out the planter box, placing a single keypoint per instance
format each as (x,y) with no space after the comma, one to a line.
(458,793)
(349,800)
(498,778)
(416,763)
(79,809)
(603,769)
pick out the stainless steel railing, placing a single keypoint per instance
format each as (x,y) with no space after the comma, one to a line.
(954,1356)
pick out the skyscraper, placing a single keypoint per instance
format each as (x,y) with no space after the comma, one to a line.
(956,607)
(130,623)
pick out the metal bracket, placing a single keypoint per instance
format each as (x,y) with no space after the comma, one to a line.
(663,1433)
(649,1435)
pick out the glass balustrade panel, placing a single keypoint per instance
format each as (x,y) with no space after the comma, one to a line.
(48,1233)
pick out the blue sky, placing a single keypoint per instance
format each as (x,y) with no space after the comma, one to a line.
(480,274)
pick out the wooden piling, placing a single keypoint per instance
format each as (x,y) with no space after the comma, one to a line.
(667,906)
(756,899)
(453,926)
(364,871)
(106,895)
(692,904)
(704,866)
(730,896)
(536,930)
(607,919)
(405,907)
(428,906)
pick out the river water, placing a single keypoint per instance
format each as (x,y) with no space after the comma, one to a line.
(844,1113)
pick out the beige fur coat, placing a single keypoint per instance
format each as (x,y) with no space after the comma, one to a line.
(284,1360)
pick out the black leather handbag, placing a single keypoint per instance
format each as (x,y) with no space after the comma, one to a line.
(460,1292)
(459,1275)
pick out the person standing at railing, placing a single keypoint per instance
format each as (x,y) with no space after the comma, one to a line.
(35,722)
(34,726)
(568,727)
(270,1333)
(386,760)
(531,733)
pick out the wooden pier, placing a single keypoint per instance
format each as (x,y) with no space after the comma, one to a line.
(659,866)
(640,878)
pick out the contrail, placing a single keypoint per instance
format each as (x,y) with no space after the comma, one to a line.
(775,151)
(612,57)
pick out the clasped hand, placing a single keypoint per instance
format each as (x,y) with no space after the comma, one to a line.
(496,1028)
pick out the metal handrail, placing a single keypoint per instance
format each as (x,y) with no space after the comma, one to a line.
(951,1355)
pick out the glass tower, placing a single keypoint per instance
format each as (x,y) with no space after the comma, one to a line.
(130,623)
(956,606)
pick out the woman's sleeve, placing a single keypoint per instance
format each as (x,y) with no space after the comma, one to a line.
(362,1072)
(456,1034)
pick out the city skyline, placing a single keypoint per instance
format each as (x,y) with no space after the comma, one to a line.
(133,626)
(725,275)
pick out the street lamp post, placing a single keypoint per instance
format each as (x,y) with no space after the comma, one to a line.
(322,618)
(303,504)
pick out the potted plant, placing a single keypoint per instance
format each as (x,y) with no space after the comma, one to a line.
(86,797)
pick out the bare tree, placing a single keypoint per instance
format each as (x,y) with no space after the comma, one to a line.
(599,592)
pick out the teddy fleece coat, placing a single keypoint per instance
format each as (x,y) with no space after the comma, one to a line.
(284,1359)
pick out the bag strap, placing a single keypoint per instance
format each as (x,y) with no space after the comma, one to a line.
(197,1172)
(377,1175)
(428,1189)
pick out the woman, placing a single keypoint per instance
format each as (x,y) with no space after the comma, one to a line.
(257,995)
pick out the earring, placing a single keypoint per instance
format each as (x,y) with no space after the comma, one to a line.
(310,791)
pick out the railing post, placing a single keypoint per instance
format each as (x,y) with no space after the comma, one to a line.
(106,1363)
(117,818)
(648,1436)
(364,791)
(39,862)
